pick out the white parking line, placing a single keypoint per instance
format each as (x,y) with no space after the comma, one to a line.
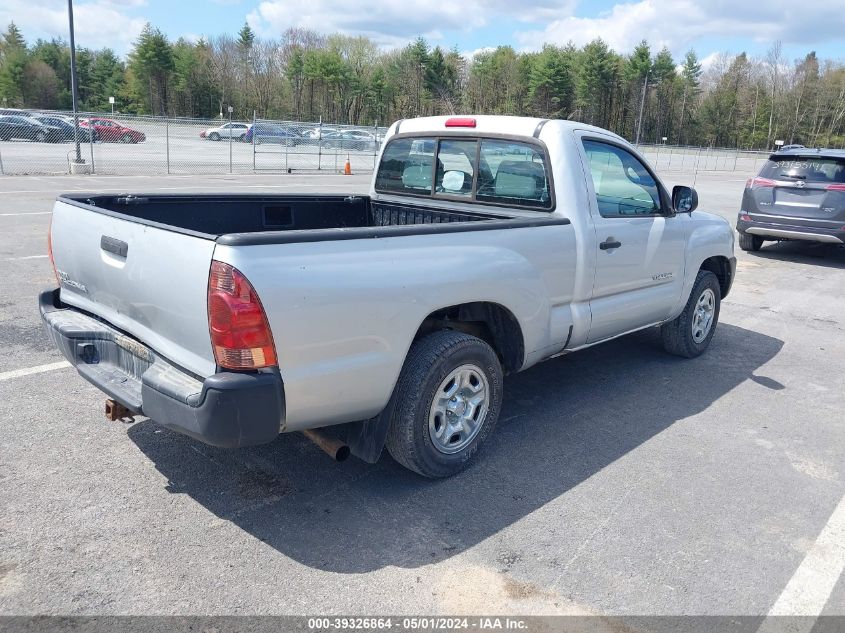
(810,587)
(13,259)
(27,213)
(17,373)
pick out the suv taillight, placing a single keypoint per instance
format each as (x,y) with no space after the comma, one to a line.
(752,183)
(240,333)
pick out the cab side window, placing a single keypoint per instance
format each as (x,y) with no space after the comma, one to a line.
(624,187)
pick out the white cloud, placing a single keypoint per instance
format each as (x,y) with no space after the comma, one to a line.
(470,55)
(98,24)
(678,23)
(396,22)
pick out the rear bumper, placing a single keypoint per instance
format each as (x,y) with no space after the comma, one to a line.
(227,409)
(793,229)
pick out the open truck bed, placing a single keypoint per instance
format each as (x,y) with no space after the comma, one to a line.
(247,219)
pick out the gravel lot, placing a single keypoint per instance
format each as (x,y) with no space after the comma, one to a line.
(620,480)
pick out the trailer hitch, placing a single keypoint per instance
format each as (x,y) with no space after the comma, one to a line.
(116,411)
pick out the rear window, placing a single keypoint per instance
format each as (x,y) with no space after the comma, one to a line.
(497,171)
(406,167)
(809,169)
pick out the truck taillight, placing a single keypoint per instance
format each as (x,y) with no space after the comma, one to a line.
(837,186)
(240,333)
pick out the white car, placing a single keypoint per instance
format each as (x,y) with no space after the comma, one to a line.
(235,130)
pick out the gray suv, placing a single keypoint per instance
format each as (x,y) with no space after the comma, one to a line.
(798,195)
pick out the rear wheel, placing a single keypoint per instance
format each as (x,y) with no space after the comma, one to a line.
(446,403)
(242,138)
(40,136)
(214,136)
(690,334)
(749,242)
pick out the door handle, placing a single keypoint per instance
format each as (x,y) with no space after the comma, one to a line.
(610,243)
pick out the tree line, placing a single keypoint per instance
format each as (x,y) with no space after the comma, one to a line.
(739,101)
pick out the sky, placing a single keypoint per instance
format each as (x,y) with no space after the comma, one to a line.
(708,26)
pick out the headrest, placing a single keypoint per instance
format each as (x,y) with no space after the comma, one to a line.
(518,179)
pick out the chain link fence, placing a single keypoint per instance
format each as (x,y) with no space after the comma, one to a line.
(42,143)
(690,159)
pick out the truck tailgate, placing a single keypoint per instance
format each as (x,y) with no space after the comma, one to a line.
(148,281)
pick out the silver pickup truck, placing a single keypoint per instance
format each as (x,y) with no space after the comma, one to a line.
(486,245)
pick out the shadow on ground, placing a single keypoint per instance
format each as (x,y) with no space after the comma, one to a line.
(562,422)
(815,254)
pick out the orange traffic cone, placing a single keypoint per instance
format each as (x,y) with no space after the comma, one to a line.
(347,168)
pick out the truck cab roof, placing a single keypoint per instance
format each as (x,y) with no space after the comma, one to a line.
(490,124)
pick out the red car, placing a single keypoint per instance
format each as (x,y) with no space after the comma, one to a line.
(110,131)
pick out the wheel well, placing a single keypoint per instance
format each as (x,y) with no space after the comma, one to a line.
(490,322)
(721,267)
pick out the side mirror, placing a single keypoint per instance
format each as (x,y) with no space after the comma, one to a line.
(684,199)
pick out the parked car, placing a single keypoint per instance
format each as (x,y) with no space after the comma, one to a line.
(24,127)
(272,133)
(799,194)
(234,130)
(64,128)
(357,140)
(392,316)
(111,131)
(313,136)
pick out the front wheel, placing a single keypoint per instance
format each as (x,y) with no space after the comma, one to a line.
(40,137)
(126,138)
(749,242)
(690,334)
(446,403)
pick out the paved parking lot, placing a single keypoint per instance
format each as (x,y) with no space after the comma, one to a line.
(176,148)
(619,481)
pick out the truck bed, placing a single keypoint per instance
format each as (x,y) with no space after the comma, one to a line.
(246,219)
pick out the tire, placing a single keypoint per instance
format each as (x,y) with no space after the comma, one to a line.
(40,137)
(242,138)
(214,136)
(685,335)
(748,242)
(417,422)
(126,138)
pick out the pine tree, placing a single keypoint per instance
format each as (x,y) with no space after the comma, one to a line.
(13,59)
(152,63)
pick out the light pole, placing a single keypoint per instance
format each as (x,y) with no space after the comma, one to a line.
(73,84)
(230,108)
(642,107)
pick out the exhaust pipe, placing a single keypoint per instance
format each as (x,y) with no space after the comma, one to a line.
(333,447)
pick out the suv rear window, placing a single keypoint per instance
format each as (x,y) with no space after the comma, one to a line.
(493,171)
(806,168)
